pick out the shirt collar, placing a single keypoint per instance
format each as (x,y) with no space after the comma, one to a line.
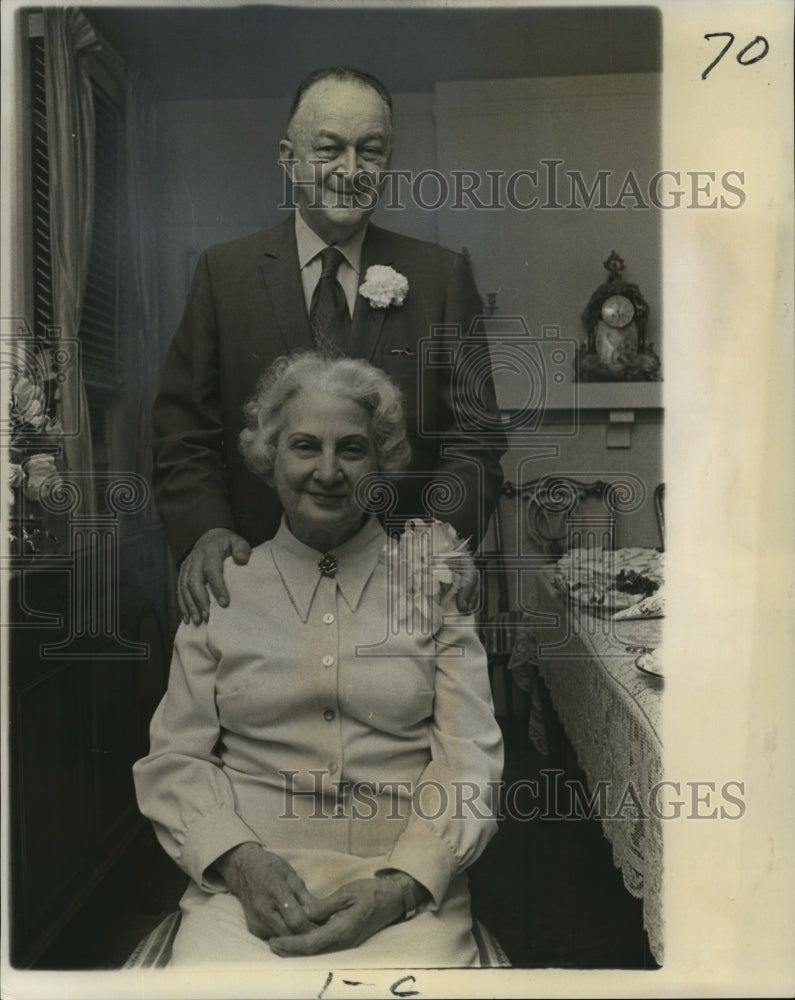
(298,569)
(310,244)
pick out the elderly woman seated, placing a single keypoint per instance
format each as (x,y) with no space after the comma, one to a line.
(324,763)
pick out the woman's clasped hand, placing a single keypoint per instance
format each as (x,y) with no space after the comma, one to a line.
(280,909)
(274,898)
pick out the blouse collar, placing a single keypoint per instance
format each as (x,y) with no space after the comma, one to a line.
(297,564)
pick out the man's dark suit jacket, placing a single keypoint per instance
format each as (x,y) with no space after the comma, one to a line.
(246,308)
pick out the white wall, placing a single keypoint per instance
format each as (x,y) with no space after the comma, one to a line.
(545,263)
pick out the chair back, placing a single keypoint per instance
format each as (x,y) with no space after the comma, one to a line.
(537,522)
(534,524)
(659,511)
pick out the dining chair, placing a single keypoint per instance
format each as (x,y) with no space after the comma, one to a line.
(533,525)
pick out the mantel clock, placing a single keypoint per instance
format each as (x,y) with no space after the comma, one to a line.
(615,349)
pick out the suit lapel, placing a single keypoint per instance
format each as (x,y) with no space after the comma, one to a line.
(282,275)
(367,322)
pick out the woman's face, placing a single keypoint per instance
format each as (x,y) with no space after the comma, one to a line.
(323,449)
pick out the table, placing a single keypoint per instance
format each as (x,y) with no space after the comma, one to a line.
(610,712)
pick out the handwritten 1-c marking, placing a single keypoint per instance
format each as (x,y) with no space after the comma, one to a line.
(395,989)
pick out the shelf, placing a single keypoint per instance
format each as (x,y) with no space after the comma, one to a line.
(612,396)
(511,395)
(562,405)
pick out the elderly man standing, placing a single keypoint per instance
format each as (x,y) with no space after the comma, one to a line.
(309,283)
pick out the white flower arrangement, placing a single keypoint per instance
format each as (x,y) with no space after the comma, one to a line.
(32,430)
(383,286)
(422,569)
(33,465)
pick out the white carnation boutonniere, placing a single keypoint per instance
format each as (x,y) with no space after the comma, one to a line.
(383,286)
(421,568)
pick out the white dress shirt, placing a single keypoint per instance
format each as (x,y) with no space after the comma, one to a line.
(309,248)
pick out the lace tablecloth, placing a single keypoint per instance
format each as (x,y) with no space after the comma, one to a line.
(610,711)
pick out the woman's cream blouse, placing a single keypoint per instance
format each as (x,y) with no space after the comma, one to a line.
(303,715)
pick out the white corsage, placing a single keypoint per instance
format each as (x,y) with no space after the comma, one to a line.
(38,470)
(383,287)
(421,567)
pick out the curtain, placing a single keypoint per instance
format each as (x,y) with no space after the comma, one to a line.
(140,174)
(70,137)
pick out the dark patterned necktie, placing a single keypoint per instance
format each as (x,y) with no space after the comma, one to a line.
(328,314)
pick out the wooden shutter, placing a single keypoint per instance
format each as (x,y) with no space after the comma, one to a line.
(42,249)
(99,327)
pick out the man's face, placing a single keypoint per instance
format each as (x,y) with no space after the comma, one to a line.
(340,139)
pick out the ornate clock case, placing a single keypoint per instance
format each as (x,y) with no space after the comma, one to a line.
(615,349)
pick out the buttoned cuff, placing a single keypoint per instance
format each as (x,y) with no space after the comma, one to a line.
(422,854)
(206,840)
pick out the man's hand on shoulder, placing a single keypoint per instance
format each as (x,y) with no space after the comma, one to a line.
(202,572)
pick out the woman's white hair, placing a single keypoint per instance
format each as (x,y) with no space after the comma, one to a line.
(351,378)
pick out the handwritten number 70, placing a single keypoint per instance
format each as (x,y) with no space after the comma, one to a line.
(741,55)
